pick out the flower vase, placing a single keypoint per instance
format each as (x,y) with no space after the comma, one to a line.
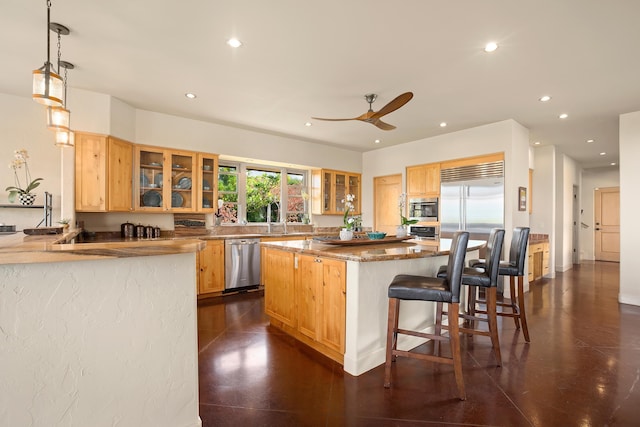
(346,234)
(26,199)
(401,231)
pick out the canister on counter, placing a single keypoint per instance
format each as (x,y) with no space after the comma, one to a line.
(139,231)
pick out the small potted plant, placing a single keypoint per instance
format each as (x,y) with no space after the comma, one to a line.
(65,223)
(24,194)
(401,230)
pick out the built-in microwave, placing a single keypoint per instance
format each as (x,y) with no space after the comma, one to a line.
(426,232)
(424,209)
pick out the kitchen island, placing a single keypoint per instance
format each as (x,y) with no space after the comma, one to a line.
(334,297)
(98,333)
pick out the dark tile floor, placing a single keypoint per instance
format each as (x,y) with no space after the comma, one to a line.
(582,368)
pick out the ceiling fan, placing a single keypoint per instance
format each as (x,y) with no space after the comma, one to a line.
(373,117)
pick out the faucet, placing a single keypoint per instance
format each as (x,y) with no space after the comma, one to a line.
(285,226)
(269,227)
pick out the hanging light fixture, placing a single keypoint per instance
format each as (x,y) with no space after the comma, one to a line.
(64,135)
(58,117)
(47,85)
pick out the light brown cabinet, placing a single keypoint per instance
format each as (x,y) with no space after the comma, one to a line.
(103,175)
(277,271)
(329,189)
(206,183)
(538,261)
(306,296)
(164,180)
(423,180)
(320,298)
(211,268)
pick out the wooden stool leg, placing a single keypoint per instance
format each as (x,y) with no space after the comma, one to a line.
(454,339)
(392,336)
(523,314)
(514,299)
(493,322)
(437,329)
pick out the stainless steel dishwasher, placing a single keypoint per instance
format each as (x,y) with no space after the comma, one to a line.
(241,264)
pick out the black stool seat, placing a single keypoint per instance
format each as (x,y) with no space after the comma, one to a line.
(440,291)
(409,287)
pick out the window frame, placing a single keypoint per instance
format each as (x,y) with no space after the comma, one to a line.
(284,172)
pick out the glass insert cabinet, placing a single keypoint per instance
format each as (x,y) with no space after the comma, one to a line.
(173,180)
(329,189)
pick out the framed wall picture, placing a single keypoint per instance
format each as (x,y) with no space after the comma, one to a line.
(522,198)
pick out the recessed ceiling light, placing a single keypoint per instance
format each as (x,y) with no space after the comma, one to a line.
(563,116)
(536,143)
(190,95)
(377,141)
(612,163)
(233,42)
(443,124)
(490,47)
(544,98)
(590,140)
(308,124)
(603,153)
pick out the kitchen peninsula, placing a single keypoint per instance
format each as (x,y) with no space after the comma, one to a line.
(98,333)
(334,297)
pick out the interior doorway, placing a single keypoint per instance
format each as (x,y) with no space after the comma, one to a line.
(386,191)
(607,224)
(575,229)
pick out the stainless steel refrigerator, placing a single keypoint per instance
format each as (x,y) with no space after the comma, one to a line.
(475,205)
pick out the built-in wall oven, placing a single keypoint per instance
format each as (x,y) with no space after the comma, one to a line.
(424,209)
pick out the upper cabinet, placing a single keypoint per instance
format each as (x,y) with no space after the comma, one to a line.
(165,180)
(423,180)
(207,178)
(103,175)
(329,189)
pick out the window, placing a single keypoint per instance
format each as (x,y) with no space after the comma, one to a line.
(257,194)
(228,193)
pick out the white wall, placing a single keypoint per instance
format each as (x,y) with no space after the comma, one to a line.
(543,216)
(593,179)
(567,175)
(23,125)
(629,207)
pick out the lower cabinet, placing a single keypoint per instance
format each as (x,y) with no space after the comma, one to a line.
(538,260)
(211,268)
(307,295)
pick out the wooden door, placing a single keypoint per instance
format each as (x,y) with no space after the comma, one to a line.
(607,224)
(279,289)
(308,294)
(333,306)
(120,180)
(91,172)
(211,266)
(386,212)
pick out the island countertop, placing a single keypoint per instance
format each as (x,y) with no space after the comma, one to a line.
(20,249)
(369,252)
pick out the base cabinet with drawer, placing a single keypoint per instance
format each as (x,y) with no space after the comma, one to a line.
(305,296)
(538,260)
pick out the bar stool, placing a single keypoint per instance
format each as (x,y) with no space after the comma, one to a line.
(445,290)
(512,268)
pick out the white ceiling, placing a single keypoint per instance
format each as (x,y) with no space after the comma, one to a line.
(303,59)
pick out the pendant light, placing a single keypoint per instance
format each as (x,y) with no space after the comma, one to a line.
(58,117)
(47,85)
(64,135)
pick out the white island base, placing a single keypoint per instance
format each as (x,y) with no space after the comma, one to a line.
(367,307)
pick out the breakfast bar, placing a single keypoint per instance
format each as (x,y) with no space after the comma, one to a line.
(333,297)
(98,333)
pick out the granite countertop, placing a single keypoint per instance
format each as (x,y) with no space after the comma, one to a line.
(406,249)
(535,238)
(20,249)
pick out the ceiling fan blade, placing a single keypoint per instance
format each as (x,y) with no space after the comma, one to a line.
(364,116)
(398,102)
(382,125)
